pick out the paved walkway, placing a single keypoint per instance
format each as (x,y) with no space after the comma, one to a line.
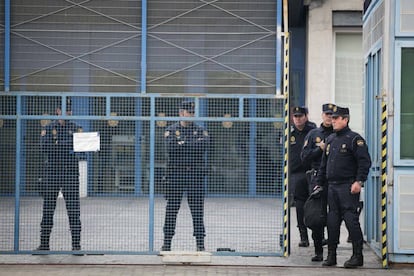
(298,263)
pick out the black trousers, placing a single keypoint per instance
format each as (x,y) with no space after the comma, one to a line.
(343,205)
(301,193)
(318,233)
(69,184)
(180,183)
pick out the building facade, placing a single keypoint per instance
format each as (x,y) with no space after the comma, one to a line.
(389,61)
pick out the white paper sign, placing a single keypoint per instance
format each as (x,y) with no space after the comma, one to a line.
(86,141)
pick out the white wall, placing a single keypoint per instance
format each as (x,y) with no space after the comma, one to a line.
(321,53)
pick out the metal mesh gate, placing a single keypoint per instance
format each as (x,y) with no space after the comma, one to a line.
(123,186)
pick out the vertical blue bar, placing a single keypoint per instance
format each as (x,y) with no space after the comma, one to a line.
(151,176)
(278,46)
(202,112)
(241,107)
(17,177)
(7,45)
(81,105)
(252,149)
(144,47)
(138,167)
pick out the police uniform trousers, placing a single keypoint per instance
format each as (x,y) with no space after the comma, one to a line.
(301,193)
(318,233)
(67,180)
(343,205)
(191,182)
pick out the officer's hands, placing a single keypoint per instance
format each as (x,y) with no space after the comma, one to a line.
(180,142)
(321,145)
(356,188)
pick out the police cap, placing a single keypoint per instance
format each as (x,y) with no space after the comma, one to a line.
(340,112)
(299,110)
(187,105)
(328,108)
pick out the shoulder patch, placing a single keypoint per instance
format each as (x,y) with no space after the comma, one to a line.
(167,133)
(360,143)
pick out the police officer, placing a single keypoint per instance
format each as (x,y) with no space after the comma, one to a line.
(312,154)
(62,174)
(186,144)
(344,167)
(298,185)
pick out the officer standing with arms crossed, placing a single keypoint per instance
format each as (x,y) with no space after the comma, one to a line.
(187,144)
(312,154)
(344,167)
(297,169)
(62,173)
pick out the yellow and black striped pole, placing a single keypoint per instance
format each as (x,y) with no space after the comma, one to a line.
(384,249)
(286,229)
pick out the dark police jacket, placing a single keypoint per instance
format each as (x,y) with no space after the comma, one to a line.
(57,144)
(296,141)
(345,160)
(186,147)
(311,152)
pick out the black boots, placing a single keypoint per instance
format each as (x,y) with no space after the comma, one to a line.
(200,243)
(304,240)
(44,241)
(318,257)
(331,259)
(357,259)
(76,240)
(318,252)
(167,244)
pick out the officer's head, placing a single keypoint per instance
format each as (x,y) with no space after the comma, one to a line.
(58,112)
(327,110)
(300,116)
(186,110)
(340,117)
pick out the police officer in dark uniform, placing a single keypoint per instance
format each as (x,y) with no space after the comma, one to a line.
(298,185)
(62,174)
(312,154)
(187,144)
(344,168)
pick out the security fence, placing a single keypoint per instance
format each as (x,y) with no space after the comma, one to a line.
(123,173)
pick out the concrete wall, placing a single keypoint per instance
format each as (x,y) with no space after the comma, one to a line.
(320,52)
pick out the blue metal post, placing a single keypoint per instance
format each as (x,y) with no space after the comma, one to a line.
(151,178)
(7,45)
(138,167)
(252,149)
(18,176)
(278,47)
(144,46)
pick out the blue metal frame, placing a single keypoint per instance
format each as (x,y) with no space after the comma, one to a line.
(83,102)
(396,214)
(372,195)
(144,46)
(278,46)
(7,45)
(397,24)
(20,116)
(397,94)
